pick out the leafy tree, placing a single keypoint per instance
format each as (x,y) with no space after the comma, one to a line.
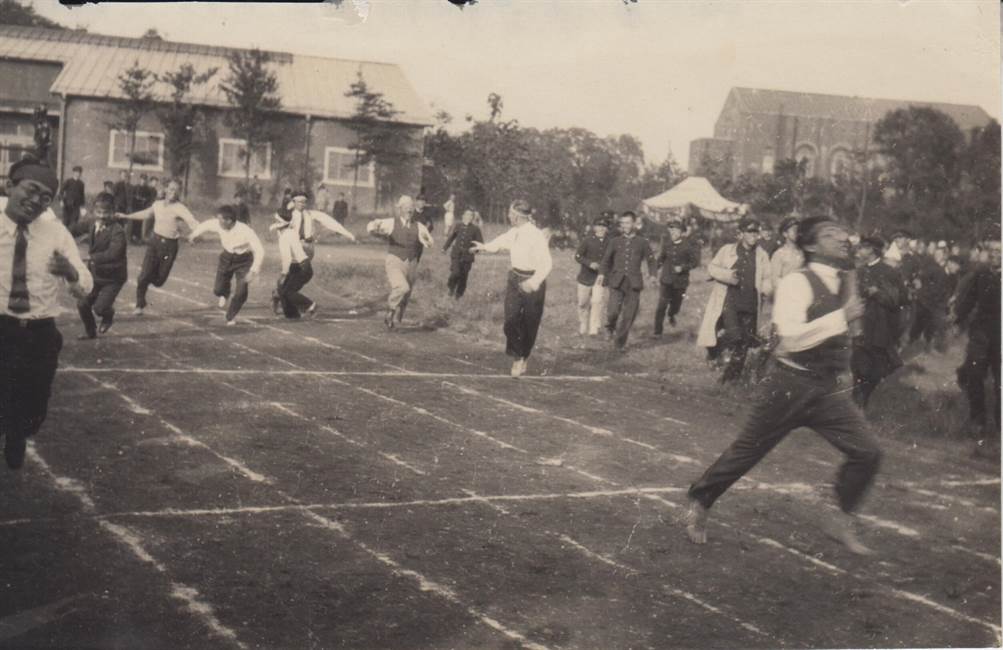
(180,118)
(252,89)
(13,12)
(136,86)
(923,148)
(152,34)
(980,188)
(379,140)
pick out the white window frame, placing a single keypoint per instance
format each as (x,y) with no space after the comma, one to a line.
(240,142)
(346,183)
(159,167)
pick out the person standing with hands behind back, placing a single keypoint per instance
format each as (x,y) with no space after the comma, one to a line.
(37,255)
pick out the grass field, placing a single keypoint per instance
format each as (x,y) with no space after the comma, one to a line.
(324,484)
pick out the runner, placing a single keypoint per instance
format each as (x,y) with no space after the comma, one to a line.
(813,310)
(406,238)
(526,289)
(242,257)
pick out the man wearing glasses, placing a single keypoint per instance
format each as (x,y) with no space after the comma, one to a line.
(37,256)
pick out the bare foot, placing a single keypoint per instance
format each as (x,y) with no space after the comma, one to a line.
(696,522)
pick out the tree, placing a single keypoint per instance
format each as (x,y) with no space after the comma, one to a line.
(152,34)
(980,188)
(251,88)
(923,147)
(13,12)
(180,118)
(136,86)
(379,141)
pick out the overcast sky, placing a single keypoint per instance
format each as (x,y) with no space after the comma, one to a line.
(658,69)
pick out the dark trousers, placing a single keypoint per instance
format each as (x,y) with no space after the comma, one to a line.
(30,356)
(523,312)
(870,364)
(71,215)
(739,336)
(621,312)
(459,270)
(788,399)
(293,302)
(982,356)
(670,299)
(927,322)
(231,265)
(157,264)
(134,229)
(100,301)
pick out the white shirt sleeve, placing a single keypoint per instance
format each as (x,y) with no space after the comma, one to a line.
(68,248)
(183,213)
(209,225)
(257,249)
(790,315)
(502,242)
(330,223)
(381,226)
(542,261)
(424,236)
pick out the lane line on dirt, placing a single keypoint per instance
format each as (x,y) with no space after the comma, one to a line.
(187,595)
(600,557)
(317,373)
(424,583)
(768,541)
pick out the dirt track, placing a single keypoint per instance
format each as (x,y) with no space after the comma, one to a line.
(322,484)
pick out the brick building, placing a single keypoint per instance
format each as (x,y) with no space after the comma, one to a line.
(74,76)
(757,128)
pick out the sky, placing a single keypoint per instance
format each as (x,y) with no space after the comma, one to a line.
(657,69)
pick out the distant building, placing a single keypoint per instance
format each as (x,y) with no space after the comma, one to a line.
(757,128)
(74,75)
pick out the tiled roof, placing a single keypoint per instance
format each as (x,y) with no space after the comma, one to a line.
(841,107)
(307,85)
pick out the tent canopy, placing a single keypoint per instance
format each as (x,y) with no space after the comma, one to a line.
(697,191)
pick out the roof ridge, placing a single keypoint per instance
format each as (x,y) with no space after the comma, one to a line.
(854,97)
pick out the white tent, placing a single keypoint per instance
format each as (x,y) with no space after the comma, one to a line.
(697,191)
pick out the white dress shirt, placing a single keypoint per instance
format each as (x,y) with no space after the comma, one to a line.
(238,240)
(45,235)
(291,246)
(528,249)
(166,217)
(790,311)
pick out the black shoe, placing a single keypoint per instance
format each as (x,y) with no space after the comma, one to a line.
(13,450)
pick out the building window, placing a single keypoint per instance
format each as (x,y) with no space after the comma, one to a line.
(840,163)
(148,153)
(806,154)
(233,154)
(339,168)
(768,160)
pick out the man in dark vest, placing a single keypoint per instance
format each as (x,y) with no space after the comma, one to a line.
(620,272)
(875,354)
(107,261)
(72,195)
(978,307)
(406,238)
(676,256)
(814,307)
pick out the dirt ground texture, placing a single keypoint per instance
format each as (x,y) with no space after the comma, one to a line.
(325,484)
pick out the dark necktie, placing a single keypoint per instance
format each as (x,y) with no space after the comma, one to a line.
(18,302)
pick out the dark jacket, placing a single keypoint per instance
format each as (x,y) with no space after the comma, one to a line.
(72,193)
(880,323)
(672,254)
(106,250)
(122,197)
(460,237)
(590,251)
(935,286)
(621,263)
(979,298)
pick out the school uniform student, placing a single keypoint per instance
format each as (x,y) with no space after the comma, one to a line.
(162,249)
(241,258)
(620,273)
(38,258)
(591,298)
(107,261)
(676,257)
(461,259)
